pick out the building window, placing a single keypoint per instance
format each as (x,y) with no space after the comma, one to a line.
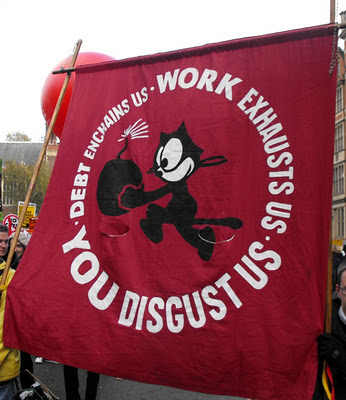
(339,139)
(339,99)
(7,194)
(340,221)
(338,180)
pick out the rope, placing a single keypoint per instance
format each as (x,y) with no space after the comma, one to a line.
(334,57)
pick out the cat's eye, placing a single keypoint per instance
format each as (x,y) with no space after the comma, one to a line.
(171,154)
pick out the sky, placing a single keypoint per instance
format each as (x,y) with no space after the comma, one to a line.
(35,35)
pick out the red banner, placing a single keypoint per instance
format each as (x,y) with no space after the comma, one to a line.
(183,240)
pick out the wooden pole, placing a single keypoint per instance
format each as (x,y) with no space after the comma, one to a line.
(38,165)
(328,313)
(329,288)
(332,11)
(43,385)
(328,316)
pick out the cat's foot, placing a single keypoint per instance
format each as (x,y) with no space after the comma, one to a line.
(151,231)
(206,244)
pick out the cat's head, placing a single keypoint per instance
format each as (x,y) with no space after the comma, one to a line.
(177,156)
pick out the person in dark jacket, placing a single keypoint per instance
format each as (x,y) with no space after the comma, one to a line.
(338,256)
(332,346)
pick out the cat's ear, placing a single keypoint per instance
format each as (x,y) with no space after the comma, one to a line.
(206,162)
(163,138)
(182,127)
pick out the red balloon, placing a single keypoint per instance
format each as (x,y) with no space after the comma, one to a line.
(53,84)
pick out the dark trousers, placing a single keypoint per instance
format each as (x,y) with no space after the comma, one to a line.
(72,384)
(26,380)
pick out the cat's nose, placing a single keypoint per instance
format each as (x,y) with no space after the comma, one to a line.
(159,172)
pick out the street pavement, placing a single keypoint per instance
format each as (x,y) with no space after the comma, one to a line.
(51,374)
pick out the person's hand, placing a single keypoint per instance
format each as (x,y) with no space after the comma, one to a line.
(331,349)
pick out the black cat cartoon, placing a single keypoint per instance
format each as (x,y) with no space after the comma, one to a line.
(176,159)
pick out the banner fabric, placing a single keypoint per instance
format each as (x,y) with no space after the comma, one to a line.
(183,240)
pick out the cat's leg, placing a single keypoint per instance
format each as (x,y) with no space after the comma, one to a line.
(202,239)
(152,226)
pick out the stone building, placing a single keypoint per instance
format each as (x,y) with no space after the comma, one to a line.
(24,153)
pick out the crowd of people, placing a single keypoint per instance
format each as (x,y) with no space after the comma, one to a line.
(14,363)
